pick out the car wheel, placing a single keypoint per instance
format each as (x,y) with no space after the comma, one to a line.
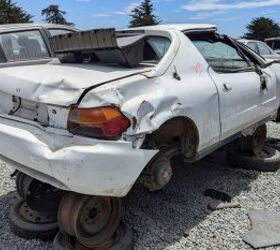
(267,161)
(92,220)
(29,224)
(122,240)
(273,143)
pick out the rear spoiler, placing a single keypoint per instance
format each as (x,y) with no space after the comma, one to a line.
(103,44)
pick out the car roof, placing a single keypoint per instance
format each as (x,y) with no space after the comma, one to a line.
(272,38)
(179,27)
(4,27)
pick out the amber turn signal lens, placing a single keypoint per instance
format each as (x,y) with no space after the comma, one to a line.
(104,122)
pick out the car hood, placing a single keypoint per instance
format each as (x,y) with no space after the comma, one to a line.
(59,84)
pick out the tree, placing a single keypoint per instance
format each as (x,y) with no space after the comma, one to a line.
(11,13)
(143,15)
(54,15)
(261,28)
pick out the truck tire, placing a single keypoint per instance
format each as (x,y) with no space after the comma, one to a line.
(123,240)
(29,229)
(269,162)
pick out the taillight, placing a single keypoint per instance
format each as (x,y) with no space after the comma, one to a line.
(103,122)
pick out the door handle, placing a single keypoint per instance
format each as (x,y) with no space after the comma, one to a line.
(227,87)
(263,83)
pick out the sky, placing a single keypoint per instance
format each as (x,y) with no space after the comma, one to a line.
(231,17)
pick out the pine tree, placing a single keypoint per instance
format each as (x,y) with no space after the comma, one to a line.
(54,15)
(261,28)
(11,13)
(143,15)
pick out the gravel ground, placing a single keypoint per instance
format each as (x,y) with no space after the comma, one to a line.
(177,217)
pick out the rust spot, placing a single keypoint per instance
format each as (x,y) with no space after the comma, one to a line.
(134,122)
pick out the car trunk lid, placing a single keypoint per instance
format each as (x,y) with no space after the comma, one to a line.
(44,93)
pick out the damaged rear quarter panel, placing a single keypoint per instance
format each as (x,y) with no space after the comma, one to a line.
(149,101)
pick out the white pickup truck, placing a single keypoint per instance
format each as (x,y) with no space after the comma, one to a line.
(96,128)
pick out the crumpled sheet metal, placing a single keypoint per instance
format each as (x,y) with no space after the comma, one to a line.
(265,229)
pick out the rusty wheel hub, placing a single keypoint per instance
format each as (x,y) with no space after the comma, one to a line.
(92,220)
(36,217)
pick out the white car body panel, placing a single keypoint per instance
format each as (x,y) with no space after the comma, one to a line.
(148,96)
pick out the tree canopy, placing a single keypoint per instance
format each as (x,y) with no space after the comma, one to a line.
(54,15)
(11,13)
(261,28)
(143,15)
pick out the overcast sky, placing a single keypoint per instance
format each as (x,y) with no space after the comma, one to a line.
(230,16)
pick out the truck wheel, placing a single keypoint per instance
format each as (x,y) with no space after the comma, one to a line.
(92,220)
(122,240)
(267,161)
(29,224)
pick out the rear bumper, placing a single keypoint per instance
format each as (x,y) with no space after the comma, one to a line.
(88,166)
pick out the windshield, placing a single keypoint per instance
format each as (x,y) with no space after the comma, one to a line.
(24,45)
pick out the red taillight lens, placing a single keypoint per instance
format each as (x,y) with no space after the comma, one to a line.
(104,122)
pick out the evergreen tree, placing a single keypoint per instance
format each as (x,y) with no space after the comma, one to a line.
(54,15)
(143,15)
(11,13)
(261,28)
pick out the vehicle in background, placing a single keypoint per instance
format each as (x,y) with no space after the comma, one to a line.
(261,48)
(24,42)
(274,43)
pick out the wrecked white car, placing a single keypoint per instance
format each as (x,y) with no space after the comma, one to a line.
(118,115)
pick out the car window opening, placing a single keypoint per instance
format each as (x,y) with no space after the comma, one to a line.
(220,53)
(110,47)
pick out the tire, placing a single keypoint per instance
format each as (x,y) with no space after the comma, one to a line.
(123,240)
(269,163)
(28,229)
(273,143)
(19,179)
(62,242)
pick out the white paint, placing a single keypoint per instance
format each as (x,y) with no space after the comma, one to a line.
(151,95)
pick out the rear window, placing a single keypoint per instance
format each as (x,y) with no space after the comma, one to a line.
(24,45)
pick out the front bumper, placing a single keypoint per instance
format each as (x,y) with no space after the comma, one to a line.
(73,163)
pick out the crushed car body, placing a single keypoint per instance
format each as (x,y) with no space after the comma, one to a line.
(93,127)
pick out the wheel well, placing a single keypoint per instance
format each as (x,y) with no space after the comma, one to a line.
(179,132)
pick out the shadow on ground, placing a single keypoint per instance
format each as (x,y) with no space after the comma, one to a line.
(160,219)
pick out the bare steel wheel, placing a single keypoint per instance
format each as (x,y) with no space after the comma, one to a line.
(255,143)
(92,220)
(31,224)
